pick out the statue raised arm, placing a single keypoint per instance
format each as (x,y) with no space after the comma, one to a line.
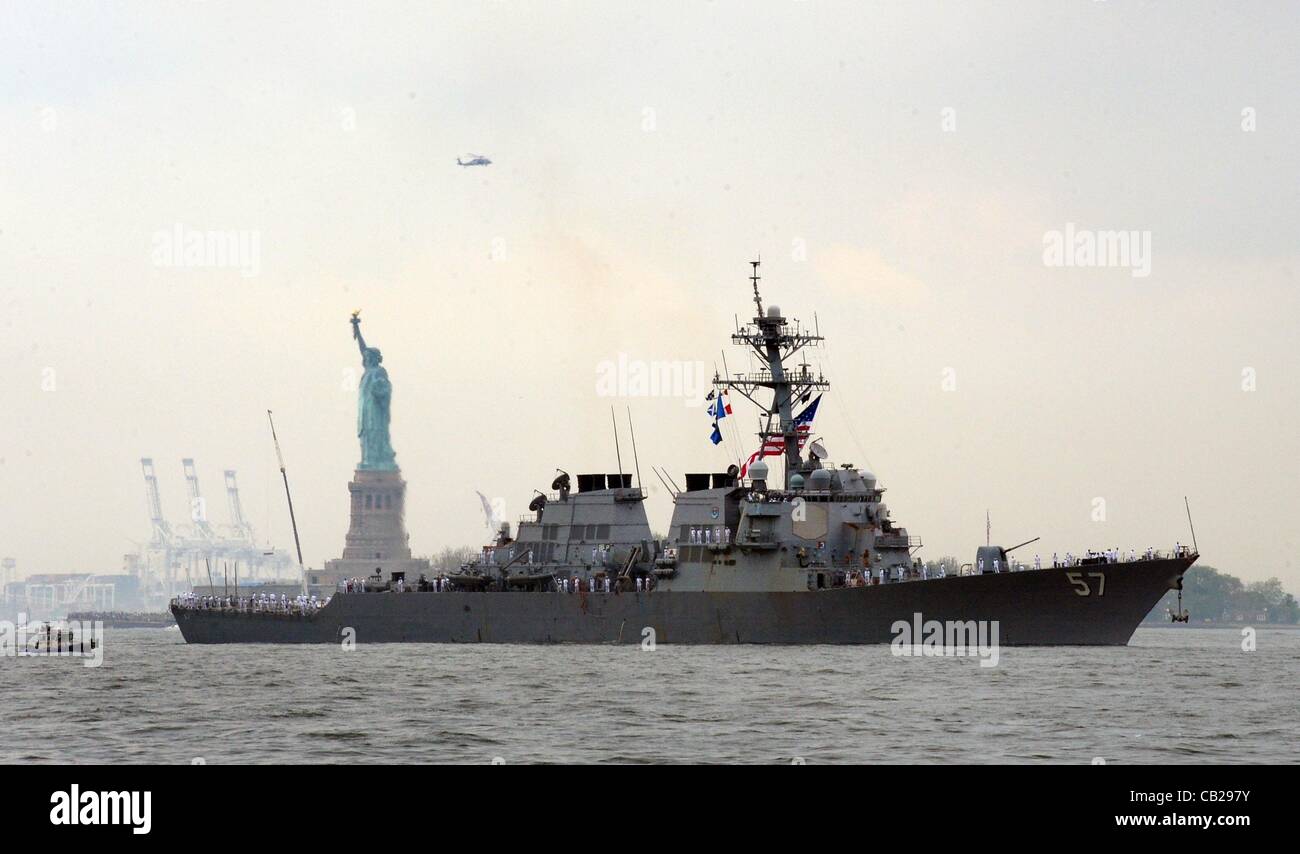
(356,332)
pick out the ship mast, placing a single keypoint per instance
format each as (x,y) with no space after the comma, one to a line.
(774,339)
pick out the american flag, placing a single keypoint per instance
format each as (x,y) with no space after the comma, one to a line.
(774,446)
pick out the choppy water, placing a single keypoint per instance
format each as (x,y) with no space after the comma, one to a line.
(1173,695)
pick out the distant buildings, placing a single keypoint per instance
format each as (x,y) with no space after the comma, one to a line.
(53,595)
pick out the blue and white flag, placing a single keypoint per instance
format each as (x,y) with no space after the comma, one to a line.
(718,410)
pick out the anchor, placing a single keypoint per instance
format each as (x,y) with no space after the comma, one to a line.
(1181,615)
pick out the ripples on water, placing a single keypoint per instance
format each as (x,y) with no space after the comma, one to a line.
(1173,695)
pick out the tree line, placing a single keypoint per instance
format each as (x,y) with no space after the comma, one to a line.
(1217,597)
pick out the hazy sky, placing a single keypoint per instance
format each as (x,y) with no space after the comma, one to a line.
(897,166)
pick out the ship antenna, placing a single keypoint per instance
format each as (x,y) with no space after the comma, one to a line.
(635,460)
(988,529)
(292,521)
(1195,547)
(758,301)
(617,454)
(667,488)
(676,488)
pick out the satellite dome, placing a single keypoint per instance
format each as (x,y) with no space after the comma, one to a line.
(774,311)
(868,479)
(821,479)
(758,471)
(796,481)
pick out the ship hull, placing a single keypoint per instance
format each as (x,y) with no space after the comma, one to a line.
(1031,608)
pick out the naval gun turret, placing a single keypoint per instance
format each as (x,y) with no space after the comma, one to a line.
(990,558)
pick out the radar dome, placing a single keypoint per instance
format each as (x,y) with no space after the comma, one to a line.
(868,479)
(796,481)
(821,479)
(758,471)
(774,311)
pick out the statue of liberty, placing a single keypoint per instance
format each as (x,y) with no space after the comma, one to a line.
(374,402)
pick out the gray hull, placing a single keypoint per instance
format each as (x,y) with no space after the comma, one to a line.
(1037,607)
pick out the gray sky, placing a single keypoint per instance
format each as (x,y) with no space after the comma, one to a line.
(898,166)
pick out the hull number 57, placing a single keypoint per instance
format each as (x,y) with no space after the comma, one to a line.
(1081,585)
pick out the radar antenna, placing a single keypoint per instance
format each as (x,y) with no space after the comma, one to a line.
(754,277)
(773,339)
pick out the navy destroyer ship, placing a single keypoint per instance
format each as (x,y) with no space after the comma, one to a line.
(807,556)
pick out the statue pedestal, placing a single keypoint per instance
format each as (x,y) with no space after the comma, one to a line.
(377,541)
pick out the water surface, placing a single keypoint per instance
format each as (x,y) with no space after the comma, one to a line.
(1174,695)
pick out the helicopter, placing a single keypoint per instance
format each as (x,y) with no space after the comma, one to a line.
(474,160)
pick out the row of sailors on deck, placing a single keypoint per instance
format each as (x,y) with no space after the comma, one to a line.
(884,575)
(443,584)
(1114,555)
(270,602)
(596,585)
(440,584)
(710,535)
(1107,556)
(866,578)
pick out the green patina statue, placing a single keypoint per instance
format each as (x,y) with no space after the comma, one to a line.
(374,403)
